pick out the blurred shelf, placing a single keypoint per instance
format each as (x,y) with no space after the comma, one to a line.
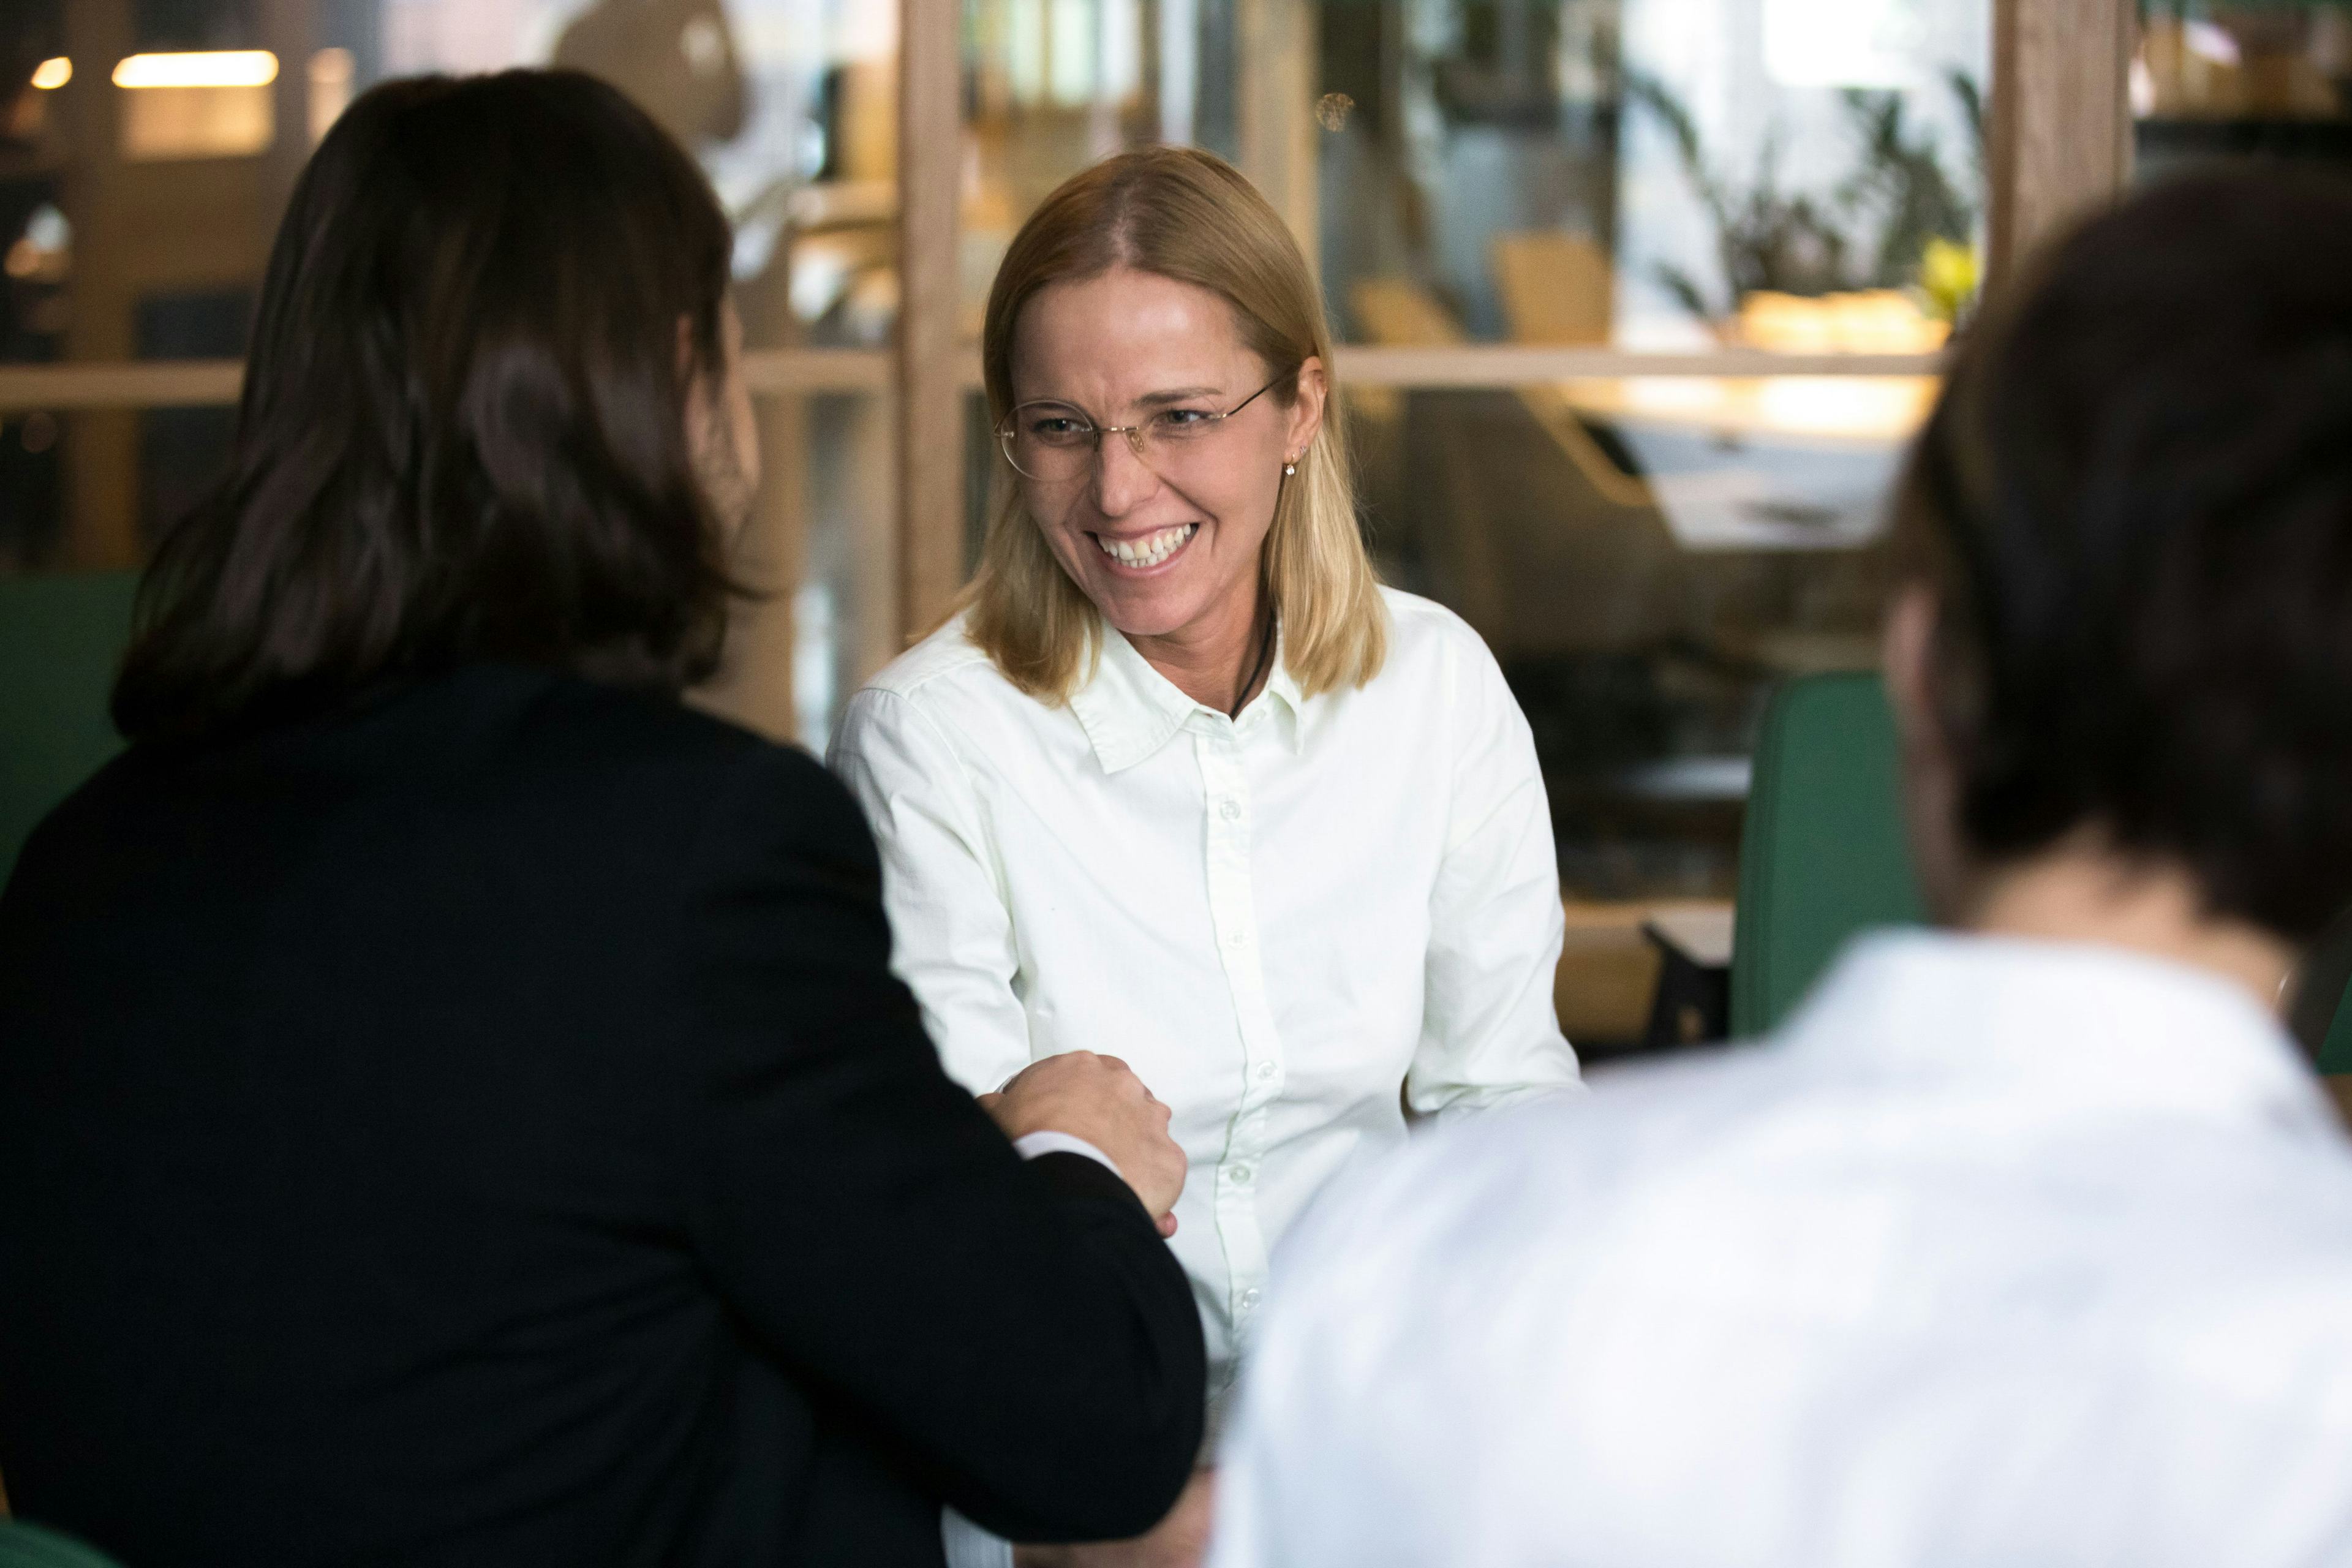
(197,384)
(2172,142)
(65,388)
(1515,364)
(214,382)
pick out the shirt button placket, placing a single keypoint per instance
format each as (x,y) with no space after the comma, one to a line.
(1233,907)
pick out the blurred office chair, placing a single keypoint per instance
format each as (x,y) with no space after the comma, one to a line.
(62,638)
(25,1545)
(2321,1014)
(1537,560)
(1822,854)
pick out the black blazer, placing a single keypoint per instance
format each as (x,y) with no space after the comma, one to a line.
(481,1128)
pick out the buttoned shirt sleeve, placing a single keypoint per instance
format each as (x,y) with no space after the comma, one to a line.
(952,940)
(1489,1035)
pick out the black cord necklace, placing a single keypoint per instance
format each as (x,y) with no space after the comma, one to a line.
(1257,670)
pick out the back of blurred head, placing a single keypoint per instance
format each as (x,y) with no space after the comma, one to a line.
(481,419)
(2131,517)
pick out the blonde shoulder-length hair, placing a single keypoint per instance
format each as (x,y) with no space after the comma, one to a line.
(1188,216)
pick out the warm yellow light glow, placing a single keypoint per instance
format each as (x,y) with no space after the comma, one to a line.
(330,90)
(52,74)
(224,68)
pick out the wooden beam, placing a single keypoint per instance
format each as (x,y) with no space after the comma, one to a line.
(2061,132)
(1512,364)
(200,384)
(101,451)
(1409,367)
(196,384)
(930,434)
(816,370)
(74,388)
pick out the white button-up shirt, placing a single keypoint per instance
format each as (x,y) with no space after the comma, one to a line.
(2007,1253)
(1278,920)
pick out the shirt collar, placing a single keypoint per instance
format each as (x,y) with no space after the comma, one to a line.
(1129,710)
(2075,1025)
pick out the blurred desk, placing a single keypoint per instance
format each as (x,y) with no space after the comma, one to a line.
(1607,982)
(1776,463)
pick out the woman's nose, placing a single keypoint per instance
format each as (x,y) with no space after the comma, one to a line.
(1123,480)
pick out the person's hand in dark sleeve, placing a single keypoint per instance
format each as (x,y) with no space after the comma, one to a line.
(1019,1332)
(1099,1100)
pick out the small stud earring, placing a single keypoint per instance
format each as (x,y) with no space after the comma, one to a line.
(1290,468)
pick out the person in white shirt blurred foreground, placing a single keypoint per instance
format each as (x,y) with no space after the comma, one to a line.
(1182,782)
(2026,1241)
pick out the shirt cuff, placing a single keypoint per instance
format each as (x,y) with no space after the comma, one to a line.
(965,1544)
(1029,1145)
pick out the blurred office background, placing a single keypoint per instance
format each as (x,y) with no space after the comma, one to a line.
(1641,300)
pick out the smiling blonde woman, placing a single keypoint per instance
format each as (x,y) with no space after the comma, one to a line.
(1181,782)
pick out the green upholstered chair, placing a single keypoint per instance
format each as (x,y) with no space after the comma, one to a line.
(25,1545)
(62,638)
(1822,854)
(2322,1013)
(2335,1048)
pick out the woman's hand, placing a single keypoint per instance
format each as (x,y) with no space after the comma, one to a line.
(1180,1540)
(1100,1099)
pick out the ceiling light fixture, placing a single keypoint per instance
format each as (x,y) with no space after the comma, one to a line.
(223,68)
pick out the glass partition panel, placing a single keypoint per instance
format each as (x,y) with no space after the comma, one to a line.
(819,556)
(1645,553)
(147,148)
(1675,173)
(1645,556)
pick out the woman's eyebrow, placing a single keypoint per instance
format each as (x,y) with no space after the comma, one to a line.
(1181,394)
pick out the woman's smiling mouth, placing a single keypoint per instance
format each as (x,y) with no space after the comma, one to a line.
(1152,550)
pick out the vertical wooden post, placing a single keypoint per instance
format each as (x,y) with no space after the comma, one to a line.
(1275,107)
(929,401)
(101,454)
(2061,131)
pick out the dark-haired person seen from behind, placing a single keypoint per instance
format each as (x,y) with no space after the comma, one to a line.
(2027,1241)
(454,1104)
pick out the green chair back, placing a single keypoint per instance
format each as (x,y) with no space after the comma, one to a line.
(25,1545)
(1822,856)
(2335,1051)
(62,638)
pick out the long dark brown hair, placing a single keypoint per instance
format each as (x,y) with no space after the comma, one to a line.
(463,431)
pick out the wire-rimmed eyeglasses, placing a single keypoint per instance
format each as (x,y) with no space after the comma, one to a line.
(1056,442)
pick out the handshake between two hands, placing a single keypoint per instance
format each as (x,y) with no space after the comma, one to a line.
(1100,1099)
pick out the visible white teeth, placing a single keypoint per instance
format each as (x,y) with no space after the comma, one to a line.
(1150,550)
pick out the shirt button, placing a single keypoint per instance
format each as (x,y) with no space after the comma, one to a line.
(1230,811)
(1234,939)
(1249,1298)
(1242,1175)
(1265,1071)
